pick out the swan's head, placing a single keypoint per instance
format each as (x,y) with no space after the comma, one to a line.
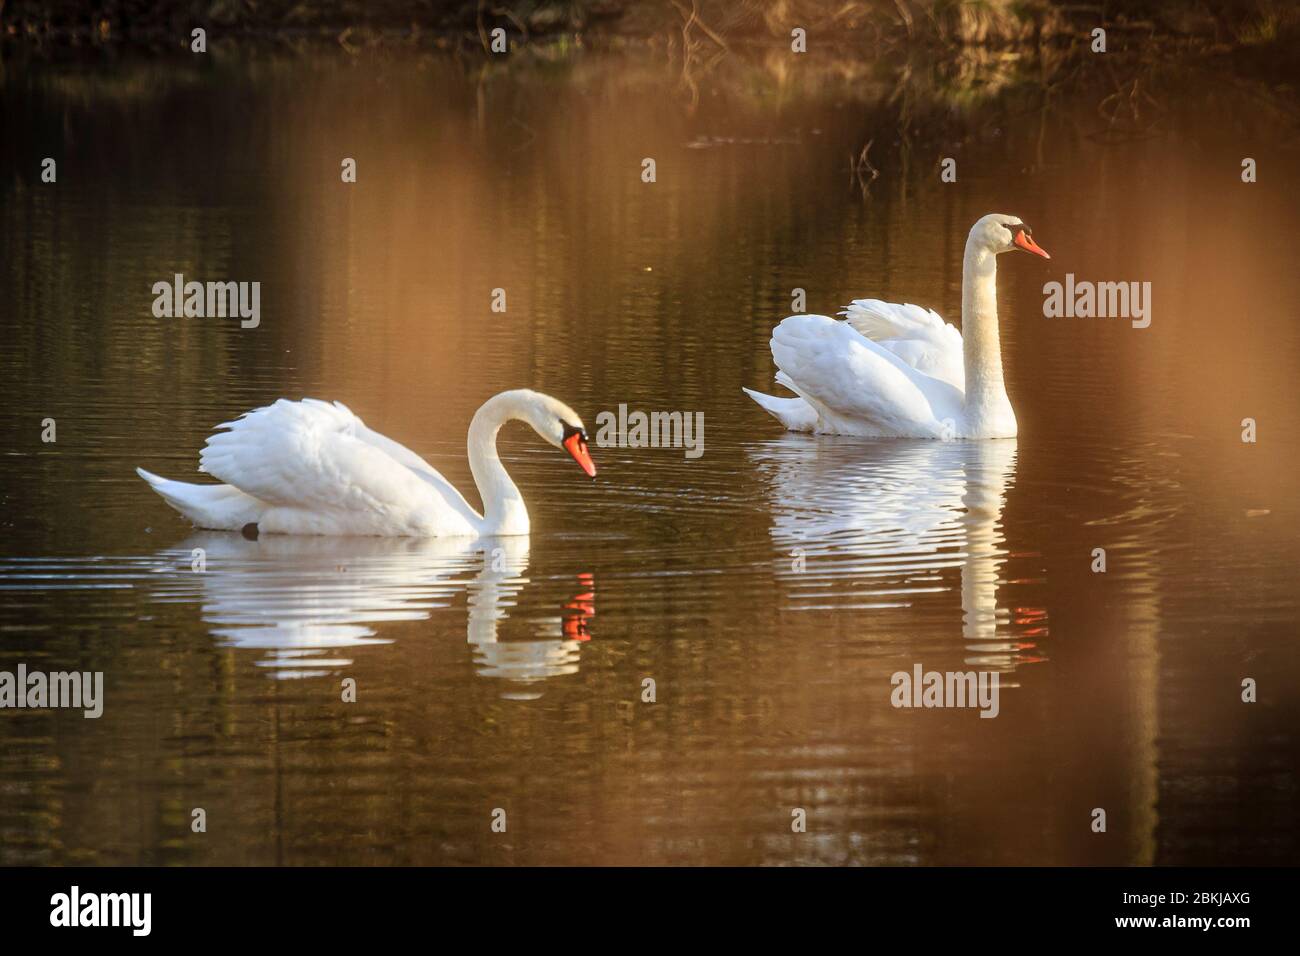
(1000,233)
(558,424)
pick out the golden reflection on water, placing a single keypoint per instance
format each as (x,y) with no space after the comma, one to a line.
(512,674)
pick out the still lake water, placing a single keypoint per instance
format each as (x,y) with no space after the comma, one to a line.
(516,683)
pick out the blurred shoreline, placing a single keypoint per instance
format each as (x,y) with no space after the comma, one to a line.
(1270,28)
(744,86)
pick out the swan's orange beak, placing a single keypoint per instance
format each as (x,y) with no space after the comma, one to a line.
(576,445)
(1025,241)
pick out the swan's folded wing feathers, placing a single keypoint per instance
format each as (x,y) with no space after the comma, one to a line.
(404,456)
(847,375)
(305,455)
(877,319)
(918,336)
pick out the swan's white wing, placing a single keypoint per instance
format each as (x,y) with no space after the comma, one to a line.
(317,459)
(403,455)
(856,385)
(918,336)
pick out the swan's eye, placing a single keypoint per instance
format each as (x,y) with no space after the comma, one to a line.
(571,430)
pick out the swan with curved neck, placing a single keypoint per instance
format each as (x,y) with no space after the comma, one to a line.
(312,467)
(899,371)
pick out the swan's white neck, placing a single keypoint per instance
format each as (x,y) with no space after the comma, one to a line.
(503,506)
(988,410)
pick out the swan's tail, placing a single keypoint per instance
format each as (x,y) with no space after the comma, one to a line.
(216,507)
(794,413)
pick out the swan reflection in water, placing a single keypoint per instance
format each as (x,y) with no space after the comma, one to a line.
(874,525)
(305,599)
(494,590)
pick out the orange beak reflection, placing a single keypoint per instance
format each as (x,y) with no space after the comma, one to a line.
(1025,241)
(576,445)
(579,612)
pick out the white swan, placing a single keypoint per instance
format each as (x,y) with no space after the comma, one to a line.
(899,371)
(310,467)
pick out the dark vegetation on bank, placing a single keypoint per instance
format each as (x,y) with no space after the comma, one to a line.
(915,70)
(61,23)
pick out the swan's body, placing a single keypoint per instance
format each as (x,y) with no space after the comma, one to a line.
(899,371)
(311,467)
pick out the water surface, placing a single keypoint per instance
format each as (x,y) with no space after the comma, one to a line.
(769,588)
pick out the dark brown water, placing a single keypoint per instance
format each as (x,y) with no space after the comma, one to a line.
(769,588)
